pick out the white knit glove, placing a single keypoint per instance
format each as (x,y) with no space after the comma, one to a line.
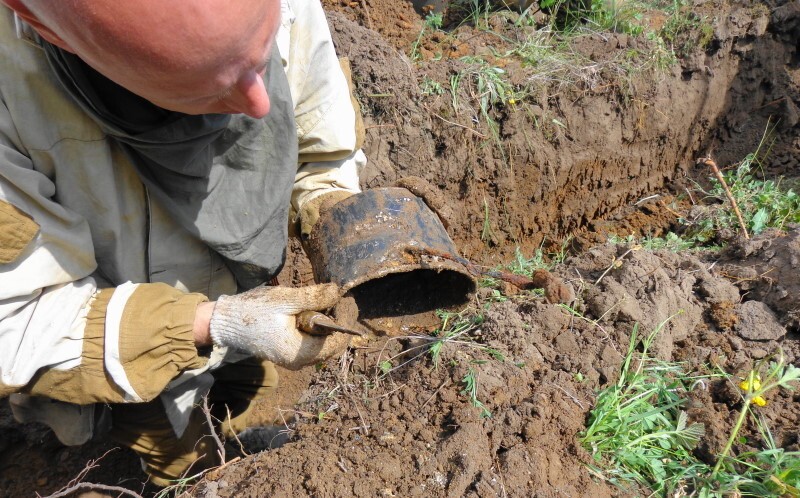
(262,322)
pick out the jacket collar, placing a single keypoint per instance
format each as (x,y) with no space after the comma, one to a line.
(25,32)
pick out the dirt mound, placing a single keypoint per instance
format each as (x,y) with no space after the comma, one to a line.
(762,265)
(413,429)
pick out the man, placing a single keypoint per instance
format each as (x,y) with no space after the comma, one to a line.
(149,157)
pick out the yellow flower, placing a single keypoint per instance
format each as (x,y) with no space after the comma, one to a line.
(755,385)
(512,101)
(746,385)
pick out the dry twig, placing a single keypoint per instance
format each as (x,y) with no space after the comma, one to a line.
(94,487)
(220,445)
(476,132)
(76,484)
(616,263)
(446,381)
(713,165)
(570,396)
(670,210)
(366,14)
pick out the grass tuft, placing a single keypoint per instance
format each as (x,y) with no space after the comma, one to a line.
(638,432)
(470,390)
(763,203)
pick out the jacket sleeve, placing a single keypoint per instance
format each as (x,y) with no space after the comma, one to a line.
(61,335)
(329,130)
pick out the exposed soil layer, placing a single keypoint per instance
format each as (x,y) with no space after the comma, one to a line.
(603,155)
(572,156)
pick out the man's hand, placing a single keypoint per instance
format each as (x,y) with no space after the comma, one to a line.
(263,322)
(309,213)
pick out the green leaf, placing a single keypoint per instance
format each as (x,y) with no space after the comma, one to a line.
(760,220)
(658,469)
(791,374)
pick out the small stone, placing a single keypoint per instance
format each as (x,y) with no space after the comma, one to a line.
(566,343)
(735,342)
(610,356)
(758,323)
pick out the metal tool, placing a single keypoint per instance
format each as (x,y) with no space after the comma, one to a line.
(315,323)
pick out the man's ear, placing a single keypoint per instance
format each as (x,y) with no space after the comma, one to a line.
(29,17)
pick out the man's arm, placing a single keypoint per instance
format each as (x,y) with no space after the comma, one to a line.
(64,334)
(329,130)
(202,323)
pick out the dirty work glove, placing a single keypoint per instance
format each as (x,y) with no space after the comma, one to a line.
(309,213)
(262,322)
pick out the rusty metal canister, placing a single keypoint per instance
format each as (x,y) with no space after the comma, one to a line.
(382,247)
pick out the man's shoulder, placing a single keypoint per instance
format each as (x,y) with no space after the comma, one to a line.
(31,93)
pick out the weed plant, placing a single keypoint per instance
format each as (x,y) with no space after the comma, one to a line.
(526,266)
(764,203)
(453,331)
(433,21)
(470,390)
(638,432)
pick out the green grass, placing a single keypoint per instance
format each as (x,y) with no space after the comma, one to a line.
(638,432)
(454,326)
(670,242)
(548,57)
(470,390)
(474,12)
(685,31)
(764,203)
(431,87)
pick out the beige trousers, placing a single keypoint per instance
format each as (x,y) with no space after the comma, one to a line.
(145,429)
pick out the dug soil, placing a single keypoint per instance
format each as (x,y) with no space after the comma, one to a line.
(564,167)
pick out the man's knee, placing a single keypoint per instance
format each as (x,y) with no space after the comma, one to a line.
(146,429)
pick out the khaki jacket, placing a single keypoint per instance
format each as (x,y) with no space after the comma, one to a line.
(76,219)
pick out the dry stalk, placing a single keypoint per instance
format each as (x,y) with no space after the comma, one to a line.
(476,132)
(76,484)
(713,165)
(90,486)
(235,436)
(446,381)
(366,14)
(670,210)
(617,262)
(570,396)
(217,440)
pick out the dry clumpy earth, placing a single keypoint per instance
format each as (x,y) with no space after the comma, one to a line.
(577,163)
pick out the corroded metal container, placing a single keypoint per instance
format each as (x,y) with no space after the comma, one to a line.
(392,254)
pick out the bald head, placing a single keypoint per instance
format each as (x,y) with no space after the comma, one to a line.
(192,56)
